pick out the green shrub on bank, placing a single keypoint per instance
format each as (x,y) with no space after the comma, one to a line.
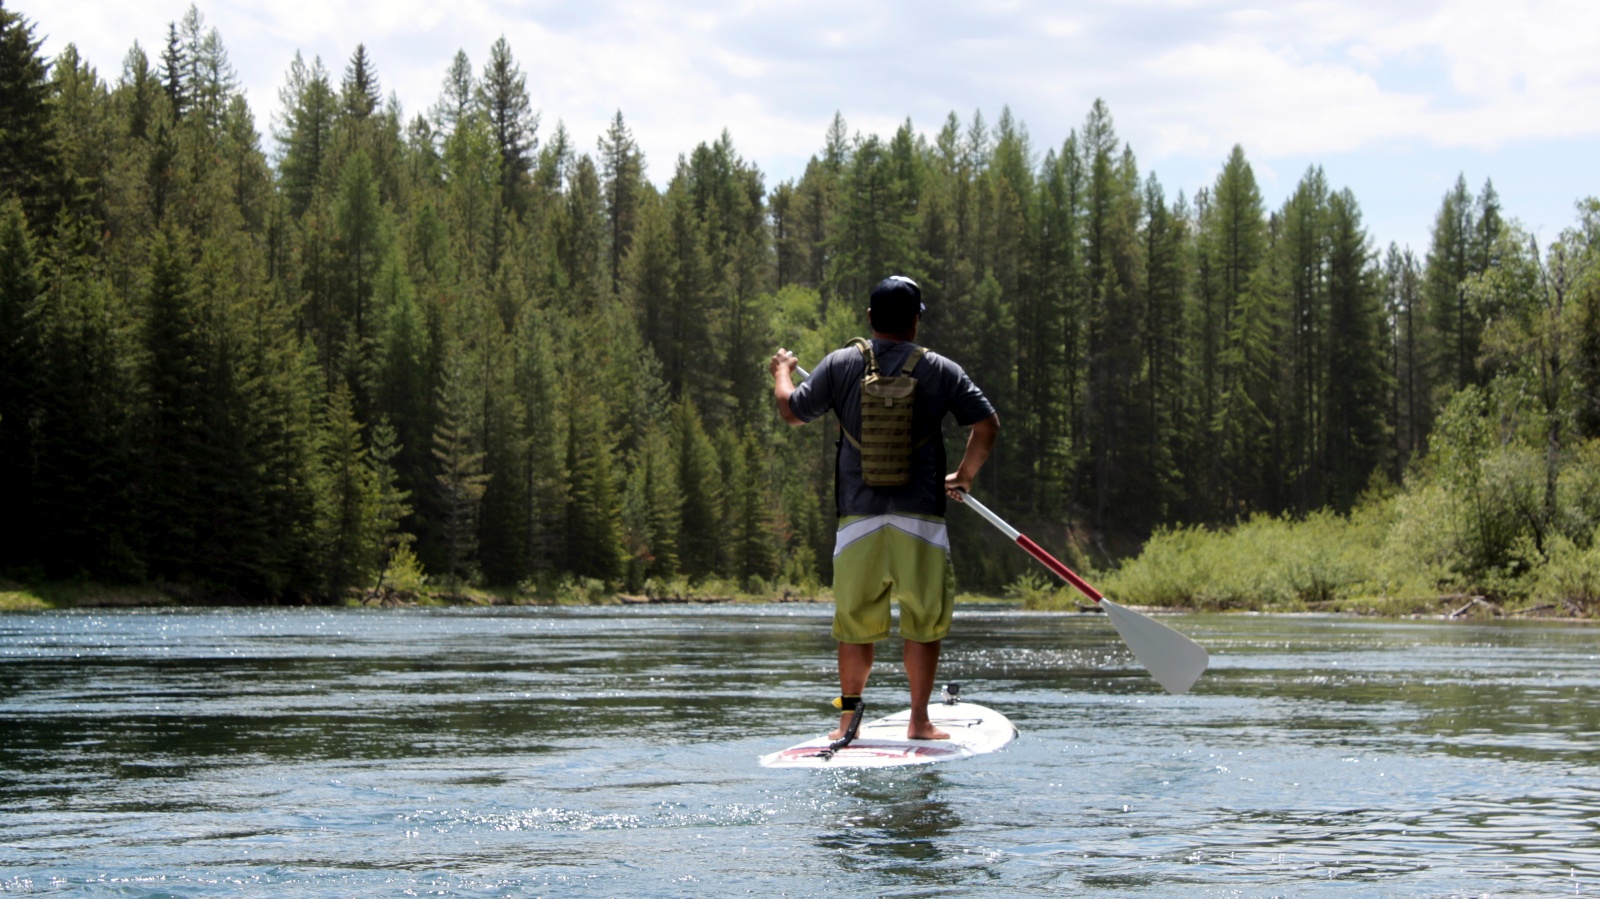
(1265,562)
(1571,575)
(1480,519)
(20,600)
(1494,513)
(1040,591)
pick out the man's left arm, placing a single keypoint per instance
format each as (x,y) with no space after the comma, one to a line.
(980,441)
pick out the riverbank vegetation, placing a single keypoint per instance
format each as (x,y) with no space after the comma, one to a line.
(1489,522)
(365,345)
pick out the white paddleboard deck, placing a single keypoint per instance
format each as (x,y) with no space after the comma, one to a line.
(973,730)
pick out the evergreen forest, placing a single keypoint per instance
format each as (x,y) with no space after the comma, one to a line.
(351,346)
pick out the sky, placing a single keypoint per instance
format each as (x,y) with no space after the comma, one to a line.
(1394,99)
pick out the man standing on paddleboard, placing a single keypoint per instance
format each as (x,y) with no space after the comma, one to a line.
(892,540)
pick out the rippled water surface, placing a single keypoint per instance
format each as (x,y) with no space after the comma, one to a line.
(611,752)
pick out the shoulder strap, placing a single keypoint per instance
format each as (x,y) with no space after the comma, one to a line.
(913,359)
(911,362)
(865,346)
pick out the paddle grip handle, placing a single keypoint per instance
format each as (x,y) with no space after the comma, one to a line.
(1065,573)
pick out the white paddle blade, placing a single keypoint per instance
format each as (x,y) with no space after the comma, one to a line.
(1175,661)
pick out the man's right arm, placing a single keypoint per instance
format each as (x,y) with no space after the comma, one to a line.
(782,368)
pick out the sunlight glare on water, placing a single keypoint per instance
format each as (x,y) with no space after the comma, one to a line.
(611,752)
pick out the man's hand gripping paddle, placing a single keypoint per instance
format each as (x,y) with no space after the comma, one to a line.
(1175,661)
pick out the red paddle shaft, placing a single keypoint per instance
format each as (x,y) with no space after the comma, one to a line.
(1034,549)
(1052,563)
(1175,661)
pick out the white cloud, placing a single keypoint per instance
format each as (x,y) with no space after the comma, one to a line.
(1337,77)
(1185,79)
(1273,105)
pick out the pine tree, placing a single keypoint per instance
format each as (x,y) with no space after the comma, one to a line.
(27,159)
(1247,412)
(623,183)
(542,383)
(594,522)
(305,137)
(248,175)
(1231,247)
(20,291)
(502,426)
(360,248)
(174,73)
(1357,423)
(875,234)
(353,526)
(81,123)
(283,395)
(80,430)
(139,87)
(649,277)
(390,508)
(580,239)
(403,391)
(1167,397)
(174,431)
(471,204)
(750,553)
(210,83)
(651,509)
(1115,327)
(1455,327)
(503,97)
(681,333)
(783,208)
(1489,225)
(950,237)
(456,95)
(1411,413)
(460,483)
(1053,444)
(815,212)
(700,478)
(364,125)
(1006,194)
(1305,247)
(360,96)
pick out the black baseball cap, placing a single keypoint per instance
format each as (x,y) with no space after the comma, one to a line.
(897,294)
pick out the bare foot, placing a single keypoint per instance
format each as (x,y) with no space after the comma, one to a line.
(925,732)
(844,724)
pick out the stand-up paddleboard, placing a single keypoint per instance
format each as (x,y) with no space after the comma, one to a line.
(973,730)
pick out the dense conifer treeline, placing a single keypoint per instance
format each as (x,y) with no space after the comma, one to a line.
(459,341)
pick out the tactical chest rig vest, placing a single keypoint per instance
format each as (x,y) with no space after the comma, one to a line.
(886,401)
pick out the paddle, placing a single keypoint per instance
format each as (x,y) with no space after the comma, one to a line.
(1175,661)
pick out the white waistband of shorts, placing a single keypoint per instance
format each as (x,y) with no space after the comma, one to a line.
(931,530)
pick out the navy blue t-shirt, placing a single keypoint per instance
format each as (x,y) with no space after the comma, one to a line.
(942,389)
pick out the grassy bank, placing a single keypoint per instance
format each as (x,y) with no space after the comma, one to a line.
(15,597)
(1380,560)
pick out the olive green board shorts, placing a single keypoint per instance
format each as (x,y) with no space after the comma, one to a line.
(899,556)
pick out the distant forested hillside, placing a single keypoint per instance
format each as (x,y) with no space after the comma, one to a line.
(457,341)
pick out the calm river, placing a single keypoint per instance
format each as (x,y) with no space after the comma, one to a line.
(612,752)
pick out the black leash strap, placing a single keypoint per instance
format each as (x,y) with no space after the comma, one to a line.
(849,733)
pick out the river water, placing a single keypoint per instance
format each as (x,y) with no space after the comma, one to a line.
(612,752)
